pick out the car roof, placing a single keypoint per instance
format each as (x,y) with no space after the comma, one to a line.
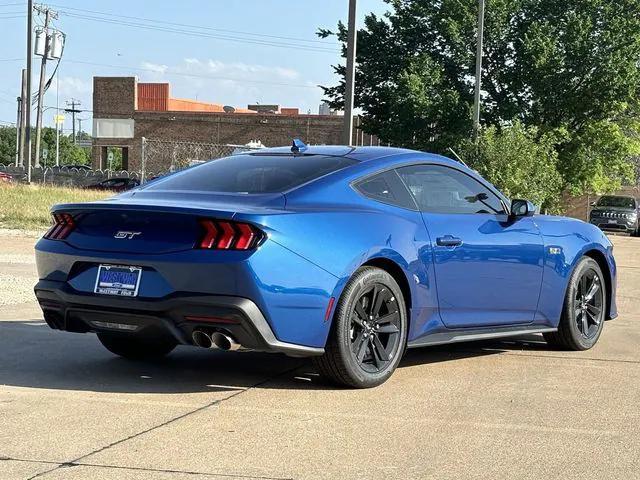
(356,153)
(371,160)
(367,159)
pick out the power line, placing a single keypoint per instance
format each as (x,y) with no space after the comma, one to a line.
(191,33)
(201,27)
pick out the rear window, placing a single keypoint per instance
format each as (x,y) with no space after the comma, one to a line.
(253,173)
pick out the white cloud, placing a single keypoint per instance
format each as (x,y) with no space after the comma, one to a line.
(154,67)
(72,86)
(235,83)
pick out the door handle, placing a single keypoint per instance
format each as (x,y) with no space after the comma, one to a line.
(448,241)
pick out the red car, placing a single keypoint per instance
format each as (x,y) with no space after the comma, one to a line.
(5,177)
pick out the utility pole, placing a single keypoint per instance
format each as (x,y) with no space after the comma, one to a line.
(24,103)
(57,119)
(73,110)
(27,98)
(80,120)
(352,40)
(49,14)
(18,122)
(476,102)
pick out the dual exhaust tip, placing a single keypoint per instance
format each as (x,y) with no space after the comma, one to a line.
(214,340)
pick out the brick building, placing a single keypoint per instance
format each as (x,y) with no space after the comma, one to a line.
(125,111)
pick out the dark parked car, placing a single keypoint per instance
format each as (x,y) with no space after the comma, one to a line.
(116,184)
(616,213)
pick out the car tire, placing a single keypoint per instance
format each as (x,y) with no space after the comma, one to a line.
(135,347)
(584,310)
(364,352)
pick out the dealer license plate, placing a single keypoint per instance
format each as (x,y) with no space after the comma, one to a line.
(118,280)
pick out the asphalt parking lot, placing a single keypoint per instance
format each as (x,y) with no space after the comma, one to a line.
(512,409)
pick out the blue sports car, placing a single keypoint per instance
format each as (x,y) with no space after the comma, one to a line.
(346,255)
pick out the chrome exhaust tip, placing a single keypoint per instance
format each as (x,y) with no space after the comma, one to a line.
(224,342)
(202,339)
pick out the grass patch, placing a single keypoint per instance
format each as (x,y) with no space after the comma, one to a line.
(27,207)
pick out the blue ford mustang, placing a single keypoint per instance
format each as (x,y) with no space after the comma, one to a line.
(346,255)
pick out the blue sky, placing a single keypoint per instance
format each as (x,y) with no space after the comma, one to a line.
(189,52)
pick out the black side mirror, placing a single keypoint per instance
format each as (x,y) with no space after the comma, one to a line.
(522,208)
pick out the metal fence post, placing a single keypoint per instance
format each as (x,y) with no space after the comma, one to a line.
(142,166)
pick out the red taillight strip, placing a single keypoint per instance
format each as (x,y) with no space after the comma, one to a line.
(247,235)
(63,225)
(208,241)
(228,235)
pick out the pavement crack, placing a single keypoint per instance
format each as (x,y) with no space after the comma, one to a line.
(78,461)
(135,469)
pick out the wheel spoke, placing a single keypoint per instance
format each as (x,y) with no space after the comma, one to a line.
(374,299)
(357,320)
(390,318)
(379,352)
(358,343)
(388,328)
(594,310)
(360,311)
(383,294)
(585,324)
(362,351)
(595,286)
(594,317)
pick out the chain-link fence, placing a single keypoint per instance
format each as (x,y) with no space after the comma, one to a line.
(64,176)
(162,156)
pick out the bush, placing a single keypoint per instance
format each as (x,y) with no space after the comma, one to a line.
(520,162)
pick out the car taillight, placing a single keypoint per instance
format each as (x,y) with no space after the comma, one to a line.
(226,235)
(63,225)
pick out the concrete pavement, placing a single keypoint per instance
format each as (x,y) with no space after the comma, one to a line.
(510,409)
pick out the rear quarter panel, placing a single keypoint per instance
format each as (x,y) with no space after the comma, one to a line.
(566,241)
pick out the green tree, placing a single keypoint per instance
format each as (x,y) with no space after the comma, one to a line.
(563,67)
(7,145)
(520,160)
(70,154)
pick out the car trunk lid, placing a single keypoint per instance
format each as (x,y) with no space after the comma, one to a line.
(156,224)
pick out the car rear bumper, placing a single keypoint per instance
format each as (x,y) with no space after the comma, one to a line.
(176,315)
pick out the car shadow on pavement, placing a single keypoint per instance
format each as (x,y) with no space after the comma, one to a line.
(33,356)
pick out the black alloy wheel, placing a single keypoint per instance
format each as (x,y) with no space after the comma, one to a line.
(375,328)
(369,331)
(584,310)
(588,303)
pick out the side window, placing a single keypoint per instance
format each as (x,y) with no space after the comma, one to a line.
(439,189)
(386,187)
